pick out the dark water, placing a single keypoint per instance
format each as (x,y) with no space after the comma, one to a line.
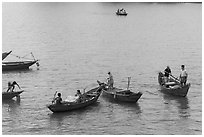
(78,43)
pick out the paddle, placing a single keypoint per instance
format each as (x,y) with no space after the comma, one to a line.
(176,79)
(54,96)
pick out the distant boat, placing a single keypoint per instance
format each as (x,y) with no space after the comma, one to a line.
(89,98)
(122,95)
(18,65)
(172,87)
(121,12)
(10,95)
(5,54)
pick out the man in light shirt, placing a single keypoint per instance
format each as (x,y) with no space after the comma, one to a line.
(183,75)
(110,81)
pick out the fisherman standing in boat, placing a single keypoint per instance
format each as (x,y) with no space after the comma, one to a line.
(58,100)
(110,81)
(167,72)
(11,86)
(183,75)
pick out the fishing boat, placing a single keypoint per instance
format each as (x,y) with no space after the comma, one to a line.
(5,54)
(89,98)
(173,87)
(121,12)
(123,95)
(20,65)
(10,95)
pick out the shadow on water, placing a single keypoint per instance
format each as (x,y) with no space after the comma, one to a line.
(181,103)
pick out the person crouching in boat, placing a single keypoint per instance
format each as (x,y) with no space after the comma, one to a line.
(58,99)
(110,81)
(183,75)
(79,95)
(167,72)
(11,86)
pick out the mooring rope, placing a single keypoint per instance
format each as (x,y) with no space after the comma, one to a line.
(24,57)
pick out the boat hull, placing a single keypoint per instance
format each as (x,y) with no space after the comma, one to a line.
(10,95)
(176,90)
(122,14)
(69,106)
(9,66)
(118,96)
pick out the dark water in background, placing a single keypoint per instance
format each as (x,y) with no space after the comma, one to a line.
(78,43)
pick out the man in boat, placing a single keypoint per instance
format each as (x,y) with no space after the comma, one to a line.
(11,86)
(167,72)
(183,75)
(79,95)
(58,99)
(110,80)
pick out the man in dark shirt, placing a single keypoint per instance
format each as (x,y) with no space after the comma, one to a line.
(167,71)
(58,100)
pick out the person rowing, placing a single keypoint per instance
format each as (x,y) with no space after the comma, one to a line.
(167,72)
(79,95)
(58,99)
(11,86)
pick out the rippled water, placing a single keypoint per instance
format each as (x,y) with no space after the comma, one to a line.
(78,43)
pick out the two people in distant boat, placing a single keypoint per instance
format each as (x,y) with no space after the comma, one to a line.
(121,10)
(11,86)
(182,78)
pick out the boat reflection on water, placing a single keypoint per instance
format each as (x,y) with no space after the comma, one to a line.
(180,102)
(20,71)
(11,104)
(74,117)
(135,107)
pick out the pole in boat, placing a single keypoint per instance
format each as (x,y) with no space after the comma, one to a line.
(54,97)
(85,89)
(128,82)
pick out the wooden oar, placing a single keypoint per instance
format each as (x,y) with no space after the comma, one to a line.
(175,78)
(54,97)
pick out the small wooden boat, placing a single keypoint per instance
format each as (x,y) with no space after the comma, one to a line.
(7,66)
(121,13)
(89,98)
(5,54)
(10,95)
(123,95)
(172,87)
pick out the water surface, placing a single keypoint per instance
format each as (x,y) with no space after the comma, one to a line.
(78,43)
